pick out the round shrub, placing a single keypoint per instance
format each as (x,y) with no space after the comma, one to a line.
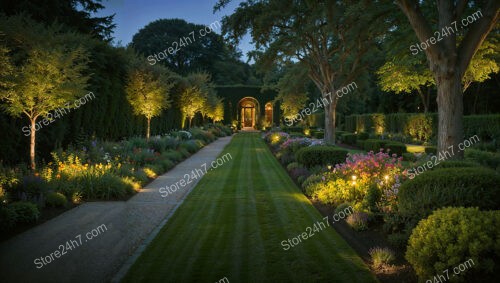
(469,187)
(54,199)
(26,212)
(342,207)
(321,155)
(396,147)
(292,166)
(452,236)
(349,138)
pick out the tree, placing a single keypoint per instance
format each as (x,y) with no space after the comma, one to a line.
(46,74)
(448,61)
(194,96)
(408,73)
(329,37)
(292,91)
(148,92)
(214,107)
(75,14)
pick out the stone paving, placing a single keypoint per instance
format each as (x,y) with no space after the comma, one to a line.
(100,259)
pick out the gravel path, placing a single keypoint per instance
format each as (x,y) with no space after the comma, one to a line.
(127,225)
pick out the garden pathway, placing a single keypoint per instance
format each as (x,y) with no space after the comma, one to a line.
(129,225)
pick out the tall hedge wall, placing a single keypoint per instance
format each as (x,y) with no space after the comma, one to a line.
(485,126)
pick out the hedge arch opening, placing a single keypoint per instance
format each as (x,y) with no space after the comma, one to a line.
(248,112)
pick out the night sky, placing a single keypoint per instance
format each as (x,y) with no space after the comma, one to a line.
(132,15)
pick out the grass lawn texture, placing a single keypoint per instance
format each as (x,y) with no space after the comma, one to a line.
(412,148)
(232,225)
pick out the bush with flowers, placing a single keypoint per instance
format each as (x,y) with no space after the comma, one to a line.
(369,182)
(276,138)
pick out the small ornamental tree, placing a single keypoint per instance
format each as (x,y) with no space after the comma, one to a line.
(148,92)
(44,74)
(193,98)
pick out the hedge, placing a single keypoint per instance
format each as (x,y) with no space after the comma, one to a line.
(321,155)
(451,237)
(430,190)
(396,147)
(487,127)
(374,145)
(349,138)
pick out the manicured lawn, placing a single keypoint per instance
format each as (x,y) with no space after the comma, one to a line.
(232,225)
(412,148)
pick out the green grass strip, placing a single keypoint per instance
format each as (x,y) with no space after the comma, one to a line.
(232,225)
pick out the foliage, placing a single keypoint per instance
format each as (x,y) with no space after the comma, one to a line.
(485,158)
(55,199)
(61,68)
(469,187)
(381,256)
(452,236)
(419,127)
(148,91)
(374,145)
(321,155)
(367,181)
(358,220)
(26,212)
(431,150)
(396,147)
(349,138)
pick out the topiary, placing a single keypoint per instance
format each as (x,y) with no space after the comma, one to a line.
(54,199)
(453,236)
(485,158)
(469,187)
(26,212)
(321,155)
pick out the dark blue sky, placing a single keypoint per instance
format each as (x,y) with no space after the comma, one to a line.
(132,15)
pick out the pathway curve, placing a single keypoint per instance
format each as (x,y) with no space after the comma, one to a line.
(128,224)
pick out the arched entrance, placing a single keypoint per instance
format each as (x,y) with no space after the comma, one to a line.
(249,111)
(269,114)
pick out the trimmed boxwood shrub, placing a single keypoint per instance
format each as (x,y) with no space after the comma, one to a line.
(455,164)
(374,145)
(321,155)
(485,158)
(26,212)
(469,187)
(454,236)
(408,156)
(362,136)
(349,138)
(431,150)
(396,147)
(55,199)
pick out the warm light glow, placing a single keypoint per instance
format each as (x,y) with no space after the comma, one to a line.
(329,167)
(353,177)
(386,177)
(353,183)
(307,132)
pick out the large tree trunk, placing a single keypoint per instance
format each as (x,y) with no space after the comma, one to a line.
(330,117)
(32,144)
(450,113)
(149,128)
